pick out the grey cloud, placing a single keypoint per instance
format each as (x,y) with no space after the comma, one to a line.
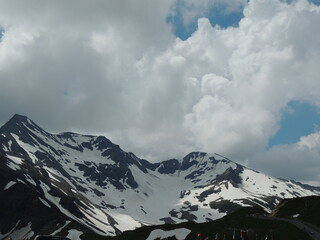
(116,69)
(292,161)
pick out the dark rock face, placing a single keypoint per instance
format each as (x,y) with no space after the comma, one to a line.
(231,175)
(105,174)
(189,160)
(225,206)
(168,220)
(169,166)
(208,192)
(103,143)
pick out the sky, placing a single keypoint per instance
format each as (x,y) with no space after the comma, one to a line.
(164,78)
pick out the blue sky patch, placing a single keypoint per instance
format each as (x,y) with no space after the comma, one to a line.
(298,119)
(316,2)
(179,28)
(217,15)
(220,16)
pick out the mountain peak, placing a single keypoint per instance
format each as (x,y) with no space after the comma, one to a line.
(19,125)
(192,159)
(17,118)
(14,122)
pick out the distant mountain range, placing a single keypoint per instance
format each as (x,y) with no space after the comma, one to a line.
(81,185)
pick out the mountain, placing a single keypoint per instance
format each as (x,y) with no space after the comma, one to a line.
(81,185)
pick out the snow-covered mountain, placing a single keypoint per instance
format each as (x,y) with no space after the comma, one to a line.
(58,182)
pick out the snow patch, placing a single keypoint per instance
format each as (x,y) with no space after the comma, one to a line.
(44,202)
(74,234)
(59,229)
(125,222)
(15,162)
(9,143)
(30,150)
(98,219)
(9,185)
(22,233)
(5,148)
(180,234)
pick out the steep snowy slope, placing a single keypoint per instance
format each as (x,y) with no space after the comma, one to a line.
(95,183)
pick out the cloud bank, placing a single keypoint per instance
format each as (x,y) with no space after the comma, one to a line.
(117,69)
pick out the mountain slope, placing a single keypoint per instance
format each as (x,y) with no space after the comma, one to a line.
(91,181)
(304,208)
(243,222)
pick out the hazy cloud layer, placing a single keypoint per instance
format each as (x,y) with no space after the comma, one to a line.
(116,69)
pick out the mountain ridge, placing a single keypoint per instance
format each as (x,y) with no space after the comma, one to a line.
(94,183)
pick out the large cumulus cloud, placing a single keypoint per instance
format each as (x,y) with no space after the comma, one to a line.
(71,62)
(116,69)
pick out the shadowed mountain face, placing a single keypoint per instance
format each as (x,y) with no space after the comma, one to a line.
(80,183)
(304,208)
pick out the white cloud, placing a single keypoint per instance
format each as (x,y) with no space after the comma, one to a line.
(293,161)
(116,69)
